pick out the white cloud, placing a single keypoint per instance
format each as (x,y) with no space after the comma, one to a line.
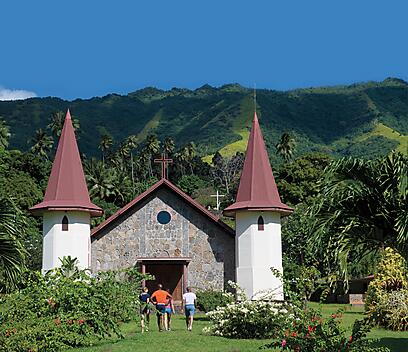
(15,94)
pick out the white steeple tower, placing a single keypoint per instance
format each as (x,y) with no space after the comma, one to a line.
(257,211)
(66,208)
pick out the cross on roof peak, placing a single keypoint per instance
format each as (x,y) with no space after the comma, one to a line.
(164,161)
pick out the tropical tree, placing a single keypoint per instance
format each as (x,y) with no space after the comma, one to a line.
(151,148)
(42,144)
(362,208)
(286,146)
(168,146)
(107,184)
(12,252)
(56,122)
(4,134)
(104,144)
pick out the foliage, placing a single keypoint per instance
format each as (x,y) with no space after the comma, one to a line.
(386,301)
(309,332)
(362,207)
(298,181)
(4,134)
(190,183)
(286,146)
(208,300)
(41,144)
(12,252)
(67,308)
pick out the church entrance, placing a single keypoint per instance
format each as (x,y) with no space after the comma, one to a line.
(172,274)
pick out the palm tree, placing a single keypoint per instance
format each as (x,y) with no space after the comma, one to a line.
(286,146)
(151,148)
(363,206)
(108,184)
(4,134)
(12,252)
(56,123)
(131,143)
(104,144)
(42,144)
(191,153)
(168,146)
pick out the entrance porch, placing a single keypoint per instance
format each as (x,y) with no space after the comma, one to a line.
(170,272)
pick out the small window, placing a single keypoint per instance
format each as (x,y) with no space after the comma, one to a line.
(163,217)
(260,223)
(65,223)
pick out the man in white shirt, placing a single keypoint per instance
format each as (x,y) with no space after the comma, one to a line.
(189,299)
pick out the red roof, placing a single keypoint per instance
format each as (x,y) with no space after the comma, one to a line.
(66,189)
(163,183)
(257,188)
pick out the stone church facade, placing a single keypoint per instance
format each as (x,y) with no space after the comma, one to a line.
(193,248)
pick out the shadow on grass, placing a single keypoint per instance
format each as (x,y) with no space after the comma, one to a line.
(202,318)
(395,344)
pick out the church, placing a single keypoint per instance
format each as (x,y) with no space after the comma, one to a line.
(165,232)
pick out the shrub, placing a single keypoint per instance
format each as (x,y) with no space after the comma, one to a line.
(307,331)
(67,308)
(247,319)
(392,307)
(208,300)
(388,292)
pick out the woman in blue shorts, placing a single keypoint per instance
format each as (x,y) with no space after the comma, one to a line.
(169,309)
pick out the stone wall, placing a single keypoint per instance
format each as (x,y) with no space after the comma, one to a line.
(138,234)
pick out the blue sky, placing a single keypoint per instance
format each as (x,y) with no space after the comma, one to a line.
(91,48)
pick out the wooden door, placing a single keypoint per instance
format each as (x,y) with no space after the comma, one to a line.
(169,275)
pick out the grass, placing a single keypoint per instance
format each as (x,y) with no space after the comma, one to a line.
(382,130)
(150,126)
(240,128)
(181,340)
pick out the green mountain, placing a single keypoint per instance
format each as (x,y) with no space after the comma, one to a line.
(365,119)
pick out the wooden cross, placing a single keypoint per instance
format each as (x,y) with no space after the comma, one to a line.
(218,196)
(164,161)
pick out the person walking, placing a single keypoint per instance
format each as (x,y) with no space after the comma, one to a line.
(144,298)
(169,310)
(159,298)
(189,299)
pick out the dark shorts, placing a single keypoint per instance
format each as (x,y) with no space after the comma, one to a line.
(189,309)
(144,308)
(161,308)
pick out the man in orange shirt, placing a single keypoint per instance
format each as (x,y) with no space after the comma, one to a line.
(160,299)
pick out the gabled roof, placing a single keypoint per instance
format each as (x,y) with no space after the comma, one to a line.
(66,189)
(257,188)
(163,183)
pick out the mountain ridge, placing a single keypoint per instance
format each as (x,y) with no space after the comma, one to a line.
(328,119)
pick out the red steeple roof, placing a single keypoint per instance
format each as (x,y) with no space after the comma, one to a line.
(257,188)
(66,189)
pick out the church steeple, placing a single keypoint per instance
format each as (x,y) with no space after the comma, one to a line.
(258,211)
(66,208)
(257,188)
(66,189)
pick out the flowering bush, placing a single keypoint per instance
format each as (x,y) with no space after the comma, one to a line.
(67,309)
(392,307)
(309,332)
(208,300)
(386,301)
(247,319)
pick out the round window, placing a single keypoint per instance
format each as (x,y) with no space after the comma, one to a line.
(163,217)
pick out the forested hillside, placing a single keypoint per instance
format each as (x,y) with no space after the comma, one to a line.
(367,119)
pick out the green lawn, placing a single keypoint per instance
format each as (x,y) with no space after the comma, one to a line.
(181,340)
